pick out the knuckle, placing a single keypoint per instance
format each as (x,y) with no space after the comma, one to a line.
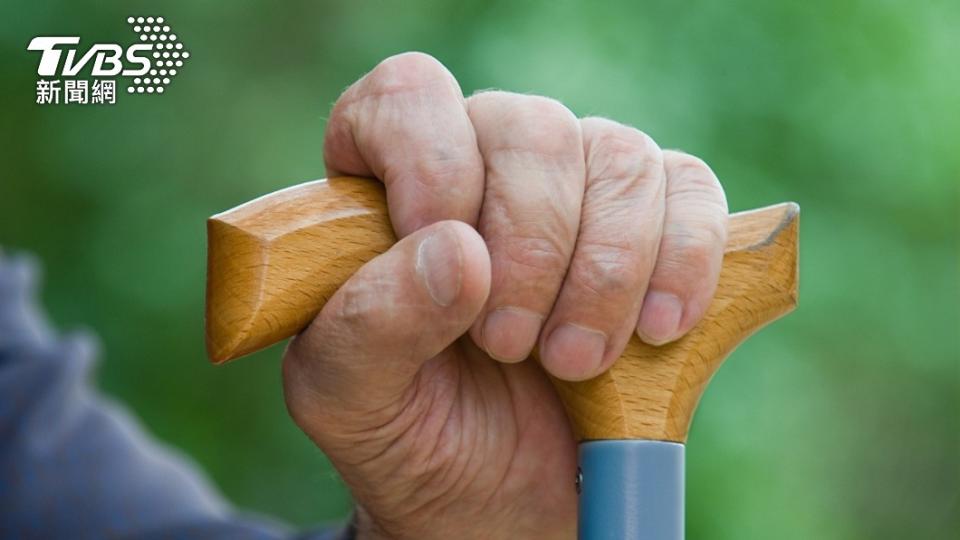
(549,118)
(692,170)
(531,124)
(544,256)
(405,72)
(447,163)
(690,175)
(363,306)
(693,252)
(682,162)
(615,136)
(617,151)
(610,272)
(545,109)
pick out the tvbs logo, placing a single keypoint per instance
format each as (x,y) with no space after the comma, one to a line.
(152,63)
(107,58)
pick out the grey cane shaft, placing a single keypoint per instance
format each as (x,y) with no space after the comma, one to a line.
(631,490)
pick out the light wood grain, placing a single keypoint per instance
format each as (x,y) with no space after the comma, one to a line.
(652,392)
(274,262)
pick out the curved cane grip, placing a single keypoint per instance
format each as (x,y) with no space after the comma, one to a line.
(273,262)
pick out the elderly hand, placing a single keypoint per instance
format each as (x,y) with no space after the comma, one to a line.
(520,225)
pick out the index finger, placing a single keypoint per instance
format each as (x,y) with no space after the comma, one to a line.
(406,124)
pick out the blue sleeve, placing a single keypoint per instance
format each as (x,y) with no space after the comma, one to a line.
(75,465)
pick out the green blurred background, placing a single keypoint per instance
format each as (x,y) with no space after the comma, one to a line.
(838,422)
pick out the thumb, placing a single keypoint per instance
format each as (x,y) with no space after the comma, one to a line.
(363,350)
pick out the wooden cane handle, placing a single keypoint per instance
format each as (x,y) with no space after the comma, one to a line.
(273,262)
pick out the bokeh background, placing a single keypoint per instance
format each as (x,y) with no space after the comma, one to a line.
(838,422)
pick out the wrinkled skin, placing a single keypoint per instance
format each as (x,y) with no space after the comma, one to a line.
(521,225)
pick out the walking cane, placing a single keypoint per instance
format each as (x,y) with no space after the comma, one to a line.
(273,262)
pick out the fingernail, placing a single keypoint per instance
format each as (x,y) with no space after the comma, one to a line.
(659,318)
(574,353)
(509,333)
(438,263)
